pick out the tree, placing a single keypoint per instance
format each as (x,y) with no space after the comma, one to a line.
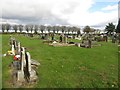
(87,29)
(57,28)
(78,32)
(3,28)
(54,28)
(63,29)
(42,28)
(21,28)
(72,29)
(7,27)
(68,29)
(110,28)
(15,27)
(118,27)
(27,28)
(49,28)
(92,30)
(31,27)
(36,29)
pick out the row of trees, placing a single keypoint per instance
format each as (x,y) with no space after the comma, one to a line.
(42,28)
(64,29)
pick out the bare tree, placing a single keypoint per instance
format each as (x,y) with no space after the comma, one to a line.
(27,28)
(49,28)
(7,27)
(57,29)
(42,28)
(3,28)
(54,29)
(15,27)
(63,29)
(69,29)
(78,31)
(36,29)
(31,27)
(21,28)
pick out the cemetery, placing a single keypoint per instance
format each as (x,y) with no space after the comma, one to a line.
(48,58)
(22,68)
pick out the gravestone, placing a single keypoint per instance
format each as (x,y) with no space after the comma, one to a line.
(20,73)
(65,39)
(77,44)
(23,51)
(52,37)
(11,40)
(13,50)
(19,48)
(60,38)
(29,61)
(32,73)
(105,37)
(113,39)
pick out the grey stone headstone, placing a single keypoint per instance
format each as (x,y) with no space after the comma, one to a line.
(33,75)
(20,76)
(23,57)
(29,61)
(13,50)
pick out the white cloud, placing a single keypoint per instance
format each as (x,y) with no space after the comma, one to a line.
(73,12)
(110,7)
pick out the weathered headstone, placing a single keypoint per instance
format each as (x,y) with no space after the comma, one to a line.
(18,48)
(24,61)
(13,50)
(65,39)
(32,72)
(60,38)
(20,73)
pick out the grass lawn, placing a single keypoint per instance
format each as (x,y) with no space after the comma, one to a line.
(67,67)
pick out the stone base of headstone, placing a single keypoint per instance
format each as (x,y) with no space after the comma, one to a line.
(33,75)
(20,76)
(77,44)
(113,40)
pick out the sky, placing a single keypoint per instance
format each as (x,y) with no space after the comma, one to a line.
(95,13)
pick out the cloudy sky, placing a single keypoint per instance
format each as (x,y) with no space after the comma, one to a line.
(95,13)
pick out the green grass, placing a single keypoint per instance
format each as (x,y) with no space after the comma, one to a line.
(68,67)
(0,62)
